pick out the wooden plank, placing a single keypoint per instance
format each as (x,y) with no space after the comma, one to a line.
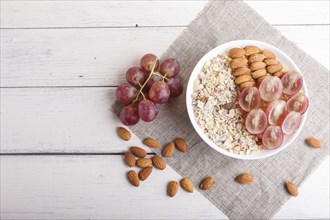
(95,187)
(100,57)
(27,14)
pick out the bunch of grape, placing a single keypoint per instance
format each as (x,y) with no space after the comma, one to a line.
(147,86)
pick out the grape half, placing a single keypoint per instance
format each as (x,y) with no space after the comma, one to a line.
(147,110)
(291,123)
(272,137)
(256,121)
(176,87)
(249,99)
(292,82)
(170,67)
(129,115)
(276,112)
(159,92)
(148,61)
(126,93)
(270,88)
(298,103)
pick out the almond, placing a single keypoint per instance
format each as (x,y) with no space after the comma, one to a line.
(133,178)
(158,162)
(292,189)
(241,79)
(143,162)
(313,142)
(207,183)
(238,62)
(260,79)
(129,159)
(187,185)
(151,143)
(144,173)
(274,68)
(172,188)
(181,145)
(236,52)
(279,74)
(249,50)
(270,62)
(138,151)
(247,84)
(257,66)
(241,71)
(256,57)
(268,54)
(168,150)
(123,133)
(244,178)
(258,73)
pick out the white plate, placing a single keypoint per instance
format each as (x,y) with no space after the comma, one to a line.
(281,56)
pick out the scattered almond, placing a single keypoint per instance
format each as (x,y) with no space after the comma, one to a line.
(133,178)
(172,188)
(268,54)
(143,162)
(292,189)
(151,143)
(257,66)
(181,145)
(168,150)
(158,162)
(236,52)
(123,133)
(238,62)
(130,159)
(207,183)
(270,62)
(313,142)
(241,79)
(138,151)
(244,178)
(187,185)
(241,71)
(256,57)
(274,68)
(249,50)
(145,173)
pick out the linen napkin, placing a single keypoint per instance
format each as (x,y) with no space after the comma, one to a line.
(217,23)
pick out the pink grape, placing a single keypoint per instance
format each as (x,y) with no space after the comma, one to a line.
(159,92)
(292,82)
(276,112)
(256,121)
(272,138)
(270,88)
(148,61)
(291,123)
(249,99)
(136,76)
(153,78)
(129,115)
(298,103)
(147,110)
(176,88)
(170,67)
(126,93)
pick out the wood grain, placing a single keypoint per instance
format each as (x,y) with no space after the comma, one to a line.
(100,57)
(95,187)
(27,14)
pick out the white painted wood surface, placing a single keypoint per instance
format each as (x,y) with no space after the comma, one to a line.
(51,44)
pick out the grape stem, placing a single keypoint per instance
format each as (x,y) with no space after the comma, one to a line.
(145,83)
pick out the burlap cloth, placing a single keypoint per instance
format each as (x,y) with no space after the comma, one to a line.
(219,22)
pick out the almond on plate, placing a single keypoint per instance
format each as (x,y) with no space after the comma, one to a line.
(151,143)
(158,162)
(145,173)
(129,159)
(249,50)
(133,178)
(123,133)
(236,52)
(244,178)
(172,188)
(187,185)
(138,151)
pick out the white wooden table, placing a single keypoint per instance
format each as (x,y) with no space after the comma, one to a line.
(60,64)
